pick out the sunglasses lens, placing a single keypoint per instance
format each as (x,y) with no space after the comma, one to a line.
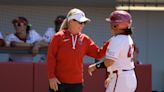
(83,23)
(19,24)
(80,22)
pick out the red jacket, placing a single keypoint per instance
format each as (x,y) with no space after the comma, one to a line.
(65,62)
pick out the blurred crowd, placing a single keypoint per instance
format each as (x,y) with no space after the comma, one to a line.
(25,36)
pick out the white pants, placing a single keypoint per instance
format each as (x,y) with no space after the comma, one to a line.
(126,82)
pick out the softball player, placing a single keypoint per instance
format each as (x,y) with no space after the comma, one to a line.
(51,31)
(119,55)
(47,37)
(24,37)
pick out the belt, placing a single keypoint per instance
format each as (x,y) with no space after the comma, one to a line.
(127,70)
(123,70)
(116,72)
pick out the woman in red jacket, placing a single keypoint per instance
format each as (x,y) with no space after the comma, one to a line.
(66,52)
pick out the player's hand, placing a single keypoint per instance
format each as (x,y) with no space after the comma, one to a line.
(54,84)
(35,49)
(91,68)
(106,83)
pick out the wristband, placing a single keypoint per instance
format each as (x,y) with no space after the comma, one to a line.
(100,65)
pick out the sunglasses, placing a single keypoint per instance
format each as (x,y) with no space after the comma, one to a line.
(80,22)
(19,24)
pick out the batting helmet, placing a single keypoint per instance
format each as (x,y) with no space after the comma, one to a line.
(118,17)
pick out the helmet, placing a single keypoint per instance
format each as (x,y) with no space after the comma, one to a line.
(118,17)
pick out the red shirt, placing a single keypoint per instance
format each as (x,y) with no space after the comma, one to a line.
(65,62)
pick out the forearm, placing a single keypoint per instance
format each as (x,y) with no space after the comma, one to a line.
(18,44)
(103,49)
(109,62)
(96,52)
(104,64)
(42,44)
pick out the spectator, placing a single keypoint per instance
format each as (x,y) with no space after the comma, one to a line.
(48,36)
(51,31)
(66,52)
(23,37)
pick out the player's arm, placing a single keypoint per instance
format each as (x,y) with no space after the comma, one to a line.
(102,64)
(43,43)
(108,62)
(37,45)
(96,52)
(111,56)
(20,44)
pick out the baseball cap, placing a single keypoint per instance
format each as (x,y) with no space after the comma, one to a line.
(78,15)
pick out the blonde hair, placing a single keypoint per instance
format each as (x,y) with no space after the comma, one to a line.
(70,14)
(64,25)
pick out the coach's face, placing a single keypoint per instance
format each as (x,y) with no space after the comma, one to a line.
(75,27)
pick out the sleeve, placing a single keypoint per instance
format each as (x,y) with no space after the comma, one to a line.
(51,56)
(9,38)
(113,50)
(94,51)
(34,37)
(48,35)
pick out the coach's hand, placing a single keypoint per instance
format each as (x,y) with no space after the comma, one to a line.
(54,83)
(91,68)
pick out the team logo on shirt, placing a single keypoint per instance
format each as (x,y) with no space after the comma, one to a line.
(47,37)
(28,39)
